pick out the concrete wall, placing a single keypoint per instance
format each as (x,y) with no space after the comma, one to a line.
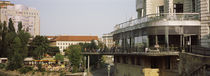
(128,70)
(151,6)
(205,22)
(190,62)
(144,68)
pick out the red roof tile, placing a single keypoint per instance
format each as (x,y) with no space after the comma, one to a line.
(73,38)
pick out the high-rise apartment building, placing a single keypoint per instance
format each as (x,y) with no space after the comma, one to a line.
(19,13)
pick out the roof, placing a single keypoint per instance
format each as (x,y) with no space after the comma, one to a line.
(28,59)
(73,38)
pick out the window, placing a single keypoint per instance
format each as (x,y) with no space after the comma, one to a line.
(193,5)
(160,9)
(178,8)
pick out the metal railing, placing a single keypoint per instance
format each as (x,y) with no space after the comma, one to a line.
(158,16)
(135,50)
(197,49)
(199,71)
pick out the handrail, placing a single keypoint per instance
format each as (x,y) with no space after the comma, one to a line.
(197,49)
(134,50)
(156,16)
(197,69)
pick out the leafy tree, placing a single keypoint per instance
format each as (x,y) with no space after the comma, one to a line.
(52,51)
(75,56)
(4,42)
(24,37)
(15,59)
(38,47)
(94,59)
(17,46)
(13,45)
(59,57)
(11,26)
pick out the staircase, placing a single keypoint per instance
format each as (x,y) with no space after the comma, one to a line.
(203,70)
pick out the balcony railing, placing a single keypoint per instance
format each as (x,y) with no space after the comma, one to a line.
(164,16)
(126,50)
(197,49)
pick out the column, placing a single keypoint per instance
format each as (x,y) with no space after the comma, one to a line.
(166,38)
(88,65)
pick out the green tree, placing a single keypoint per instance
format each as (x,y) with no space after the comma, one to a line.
(13,45)
(24,37)
(94,59)
(59,57)
(17,46)
(4,41)
(38,47)
(1,31)
(11,26)
(52,51)
(75,56)
(15,59)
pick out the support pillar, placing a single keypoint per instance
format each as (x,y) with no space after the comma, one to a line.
(167,38)
(181,42)
(88,65)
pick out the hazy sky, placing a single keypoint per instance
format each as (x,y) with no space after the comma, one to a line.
(81,17)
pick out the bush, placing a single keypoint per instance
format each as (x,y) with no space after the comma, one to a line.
(2,66)
(25,70)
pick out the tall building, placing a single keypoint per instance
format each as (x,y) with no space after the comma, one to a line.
(63,42)
(19,13)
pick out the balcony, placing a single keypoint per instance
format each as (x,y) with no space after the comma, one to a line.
(163,18)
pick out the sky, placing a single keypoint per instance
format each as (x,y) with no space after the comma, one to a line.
(81,17)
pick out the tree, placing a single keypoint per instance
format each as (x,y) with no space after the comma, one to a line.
(59,57)
(4,42)
(94,59)
(17,46)
(38,47)
(24,38)
(52,51)
(11,26)
(75,56)
(15,59)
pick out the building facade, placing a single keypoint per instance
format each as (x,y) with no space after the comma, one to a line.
(150,44)
(63,42)
(107,39)
(19,13)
